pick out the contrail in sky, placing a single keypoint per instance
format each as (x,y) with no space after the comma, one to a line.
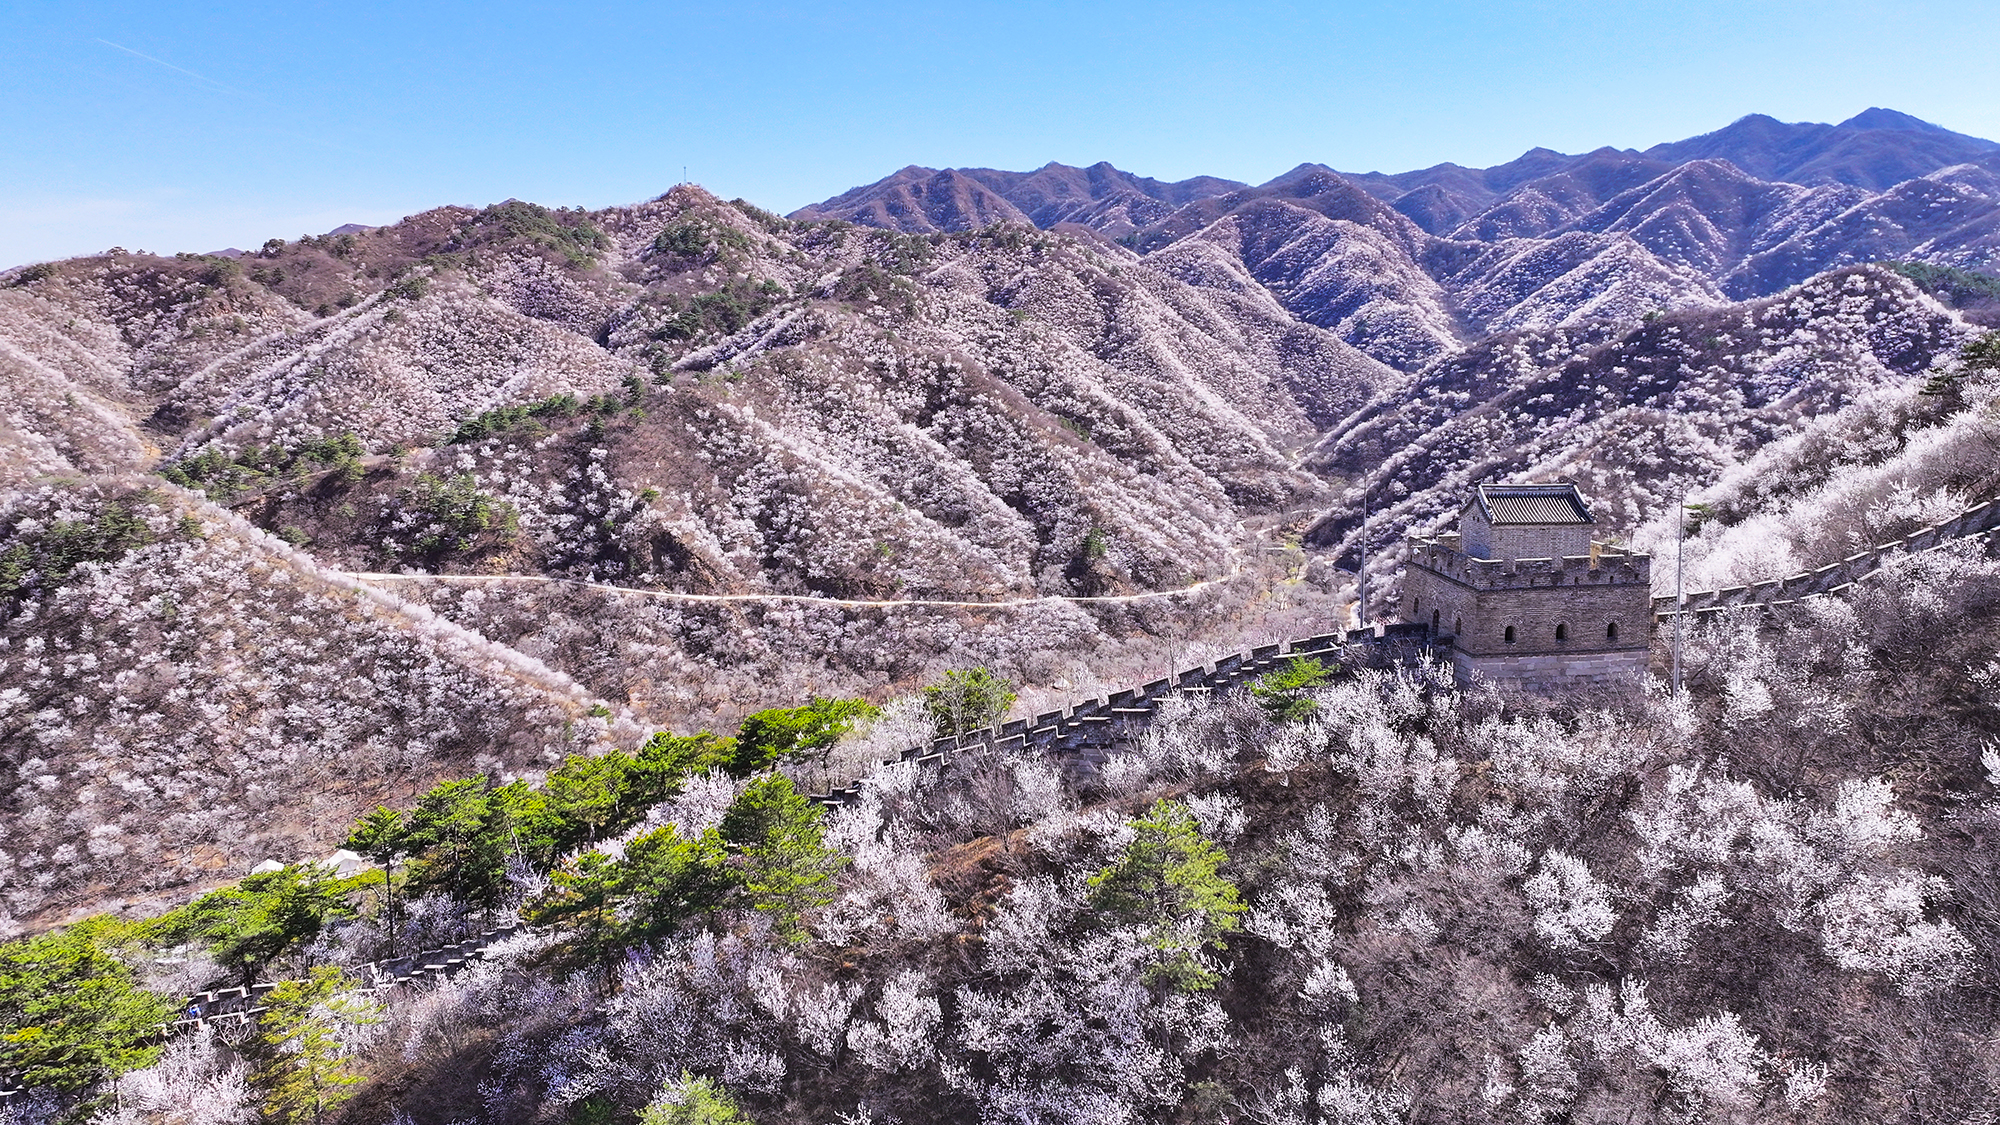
(312,136)
(170,66)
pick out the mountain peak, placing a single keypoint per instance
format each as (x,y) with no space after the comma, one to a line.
(1875,117)
(1874,149)
(1301,172)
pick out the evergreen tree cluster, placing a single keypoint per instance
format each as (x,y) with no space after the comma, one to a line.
(572,853)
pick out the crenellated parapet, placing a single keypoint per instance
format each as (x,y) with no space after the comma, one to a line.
(1605,565)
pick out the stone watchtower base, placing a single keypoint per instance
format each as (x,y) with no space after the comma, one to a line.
(1619,670)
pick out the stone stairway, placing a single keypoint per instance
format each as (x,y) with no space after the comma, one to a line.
(1086,735)
(239,1004)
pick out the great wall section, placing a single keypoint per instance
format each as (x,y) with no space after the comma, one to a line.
(1837,577)
(1085,735)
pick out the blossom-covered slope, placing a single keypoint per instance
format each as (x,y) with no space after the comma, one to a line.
(684,396)
(751,403)
(1409,265)
(1768,898)
(1637,416)
(195,697)
(687,459)
(1903,457)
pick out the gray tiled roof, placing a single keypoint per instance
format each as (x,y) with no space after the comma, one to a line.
(1533,504)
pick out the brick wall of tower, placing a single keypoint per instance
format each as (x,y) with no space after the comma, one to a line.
(1431,599)
(1535,612)
(1482,540)
(1474,601)
(1539,542)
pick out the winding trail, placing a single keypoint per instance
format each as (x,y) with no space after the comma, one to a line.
(1248,545)
(807,599)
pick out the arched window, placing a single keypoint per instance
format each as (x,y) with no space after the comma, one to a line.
(1417,604)
(1458,627)
(1434,621)
(1611,631)
(1562,632)
(1509,635)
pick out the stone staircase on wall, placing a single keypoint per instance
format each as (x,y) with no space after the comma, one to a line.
(1085,735)
(239,1006)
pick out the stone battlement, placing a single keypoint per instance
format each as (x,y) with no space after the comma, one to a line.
(1605,565)
(1979,520)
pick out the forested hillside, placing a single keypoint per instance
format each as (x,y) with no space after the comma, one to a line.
(1346,896)
(1411,266)
(550,560)
(685,397)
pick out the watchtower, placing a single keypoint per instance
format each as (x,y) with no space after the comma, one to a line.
(1526,593)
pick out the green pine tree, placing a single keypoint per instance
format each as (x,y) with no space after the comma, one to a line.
(303,1068)
(784,865)
(1169,884)
(71,1012)
(665,759)
(258,920)
(807,732)
(582,796)
(667,879)
(383,838)
(1282,691)
(459,835)
(967,700)
(581,895)
(694,1101)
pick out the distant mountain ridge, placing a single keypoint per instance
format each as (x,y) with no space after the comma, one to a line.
(1100,197)
(1411,266)
(1875,149)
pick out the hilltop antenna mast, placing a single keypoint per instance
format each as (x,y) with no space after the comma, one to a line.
(1680,589)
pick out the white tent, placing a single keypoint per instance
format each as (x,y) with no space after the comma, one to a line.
(344,863)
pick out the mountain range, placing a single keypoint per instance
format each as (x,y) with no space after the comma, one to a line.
(1411,266)
(289,533)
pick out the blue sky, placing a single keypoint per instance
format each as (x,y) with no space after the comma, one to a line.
(178,126)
